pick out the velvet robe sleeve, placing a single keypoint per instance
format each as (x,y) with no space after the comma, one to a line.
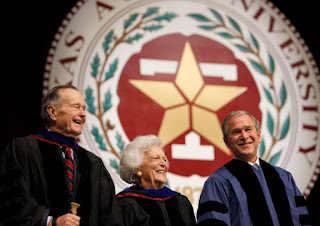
(17,205)
(132,214)
(186,210)
(298,205)
(214,207)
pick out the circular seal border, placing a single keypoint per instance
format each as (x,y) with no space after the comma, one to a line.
(314,177)
(272,6)
(54,43)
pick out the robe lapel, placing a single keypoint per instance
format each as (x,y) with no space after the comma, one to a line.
(82,188)
(257,205)
(278,193)
(55,174)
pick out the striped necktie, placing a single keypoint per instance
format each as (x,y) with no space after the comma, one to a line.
(69,166)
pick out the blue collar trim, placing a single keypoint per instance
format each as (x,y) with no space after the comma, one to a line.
(59,138)
(164,192)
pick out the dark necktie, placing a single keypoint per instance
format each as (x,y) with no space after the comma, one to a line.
(258,173)
(69,166)
(256,167)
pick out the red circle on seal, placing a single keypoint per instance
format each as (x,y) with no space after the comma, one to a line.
(140,115)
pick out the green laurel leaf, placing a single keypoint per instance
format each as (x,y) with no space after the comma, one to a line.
(198,17)
(153,28)
(217,15)
(95,66)
(275,158)
(268,95)
(112,69)
(262,148)
(98,138)
(270,124)
(235,25)
(258,67)
(254,41)
(150,12)
(89,100)
(131,19)
(283,94)
(285,128)
(243,48)
(120,142)
(107,41)
(208,28)
(107,102)
(166,16)
(114,164)
(226,35)
(136,37)
(271,64)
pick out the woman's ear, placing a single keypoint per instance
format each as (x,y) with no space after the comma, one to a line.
(138,172)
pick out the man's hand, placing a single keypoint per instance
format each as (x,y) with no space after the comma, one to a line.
(67,219)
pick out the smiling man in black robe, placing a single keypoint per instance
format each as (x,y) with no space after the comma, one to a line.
(247,190)
(37,185)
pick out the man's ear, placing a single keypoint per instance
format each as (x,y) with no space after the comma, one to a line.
(259,135)
(52,111)
(226,142)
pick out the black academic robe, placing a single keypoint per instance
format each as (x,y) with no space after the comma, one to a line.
(139,208)
(34,185)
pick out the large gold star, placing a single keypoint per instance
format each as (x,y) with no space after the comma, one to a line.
(197,105)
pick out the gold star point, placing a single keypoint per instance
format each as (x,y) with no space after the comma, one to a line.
(203,101)
(189,78)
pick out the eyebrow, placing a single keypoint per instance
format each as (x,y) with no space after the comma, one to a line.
(79,105)
(246,127)
(152,156)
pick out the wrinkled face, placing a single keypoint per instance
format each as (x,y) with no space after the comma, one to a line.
(69,118)
(154,168)
(243,138)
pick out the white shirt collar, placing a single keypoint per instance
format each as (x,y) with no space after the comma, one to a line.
(64,154)
(250,163)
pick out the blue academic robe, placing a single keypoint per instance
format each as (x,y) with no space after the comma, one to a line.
(233,195)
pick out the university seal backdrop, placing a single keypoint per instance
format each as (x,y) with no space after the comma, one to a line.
(176,69)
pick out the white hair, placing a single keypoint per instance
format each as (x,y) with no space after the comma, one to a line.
(133,155)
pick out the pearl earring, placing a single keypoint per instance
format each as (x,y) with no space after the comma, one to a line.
(139,173)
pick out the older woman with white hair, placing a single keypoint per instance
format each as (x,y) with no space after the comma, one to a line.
(149,202)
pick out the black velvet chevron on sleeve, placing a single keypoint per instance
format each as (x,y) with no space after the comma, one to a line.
(211,206)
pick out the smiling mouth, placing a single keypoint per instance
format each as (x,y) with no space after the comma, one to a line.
(245,144)
(79,122)
(160,171)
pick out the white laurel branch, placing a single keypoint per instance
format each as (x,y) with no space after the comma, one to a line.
(103,69)
(229,29)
